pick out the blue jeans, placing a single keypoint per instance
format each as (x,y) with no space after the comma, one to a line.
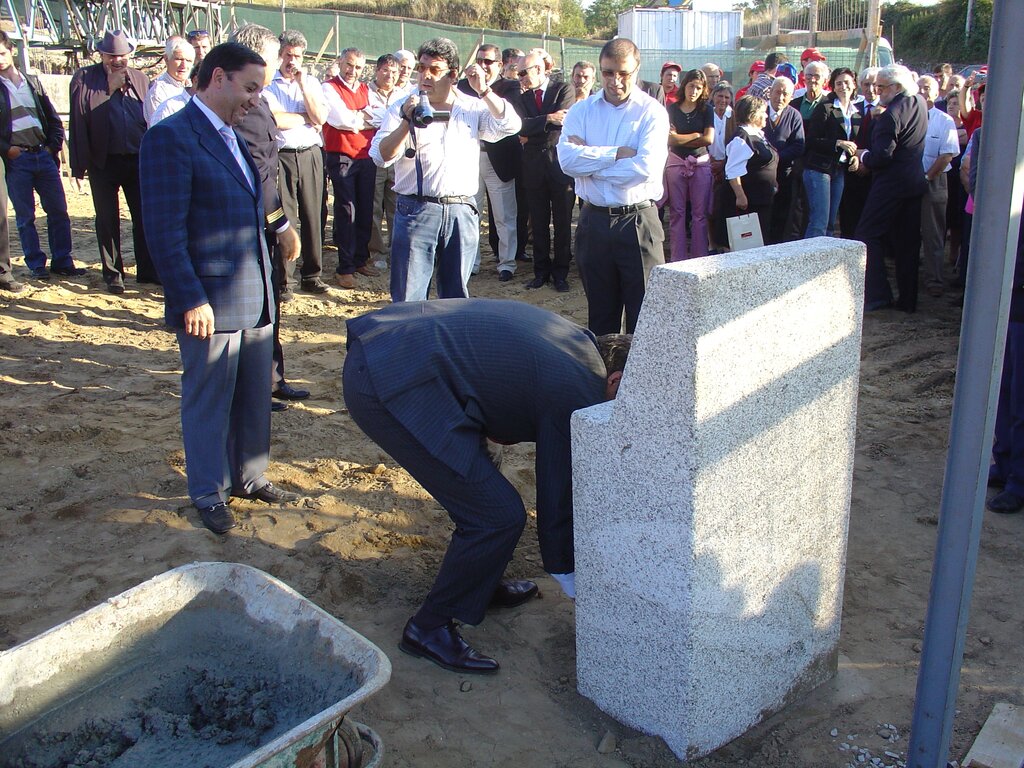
(823,196)
(423,230)
(37,171)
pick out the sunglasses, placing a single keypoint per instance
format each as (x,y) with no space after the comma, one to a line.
(433,70)
(196,33)
(525,72)
(486,62)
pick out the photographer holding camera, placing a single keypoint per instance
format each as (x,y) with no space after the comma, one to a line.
(433,139)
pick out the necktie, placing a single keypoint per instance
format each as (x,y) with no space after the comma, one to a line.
(540,100)
(231,140)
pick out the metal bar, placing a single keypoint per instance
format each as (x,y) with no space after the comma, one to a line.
(983,332)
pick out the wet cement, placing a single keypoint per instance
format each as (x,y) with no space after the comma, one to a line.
(202,687)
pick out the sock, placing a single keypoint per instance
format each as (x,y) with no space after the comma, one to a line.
(567,581)
(427,620)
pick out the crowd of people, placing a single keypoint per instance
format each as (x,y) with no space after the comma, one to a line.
(226,159)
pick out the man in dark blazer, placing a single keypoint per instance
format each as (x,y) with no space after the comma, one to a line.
(428,383)
(202,204)
(259,130)
(784,130)
(858,185)
(500,165)
(542,106)
(106,125)
(891,220)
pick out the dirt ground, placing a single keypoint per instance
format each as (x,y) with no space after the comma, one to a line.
(94,501)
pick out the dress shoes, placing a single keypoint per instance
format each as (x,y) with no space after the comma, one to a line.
(217,518)
(1006,503)
(287,392)
(315,285)
(524,257)
(445,647)
(40,273)
(68,271)
(11,285)
(562,286)
(537,282)
(286,296)
(345,281)
(995,481)
(509,594)
(270,494)
(277,406)
(504,276)
(369,271)
(115,288)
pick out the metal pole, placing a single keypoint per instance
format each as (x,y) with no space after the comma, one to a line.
(994,237)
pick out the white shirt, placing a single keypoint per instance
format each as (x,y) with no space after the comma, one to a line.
(738,152)
(941,139)
(338,114)
(449,152)
(214,118)
(717,148)
(379,103)
(639,122)
(174,104)
(286,96)
(160,90)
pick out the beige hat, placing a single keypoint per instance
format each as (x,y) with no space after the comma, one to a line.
(115,43)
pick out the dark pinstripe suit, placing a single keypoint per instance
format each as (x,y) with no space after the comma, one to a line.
(427,381)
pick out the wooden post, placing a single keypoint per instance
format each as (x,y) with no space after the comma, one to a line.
(774,30)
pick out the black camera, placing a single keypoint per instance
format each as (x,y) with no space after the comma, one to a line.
(423,114)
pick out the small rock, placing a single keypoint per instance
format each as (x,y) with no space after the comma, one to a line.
(861,759)
(563,679)
(380,469)
(607,743)
(891,754)
(465,686)
(985,640)
(916,647)
(834,732)
(885,733)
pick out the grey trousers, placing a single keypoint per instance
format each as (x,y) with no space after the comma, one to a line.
(933,230)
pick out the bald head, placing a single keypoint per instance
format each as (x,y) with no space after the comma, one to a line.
(531,71)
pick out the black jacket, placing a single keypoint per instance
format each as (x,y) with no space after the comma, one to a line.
(53,128)
(897,145)
(506,156)
(823,129)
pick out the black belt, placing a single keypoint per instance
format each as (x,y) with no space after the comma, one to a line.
(621,210)
(33,150)
(446,200)
(297,151)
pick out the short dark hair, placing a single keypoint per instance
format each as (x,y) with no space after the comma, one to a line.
(697,75)
(772,60)
(231,57)
(619,48)
(614,350)
(510,53)
(584,65)
(6,42)
(837,73)
(747,106)
(488,47)
(387,58)
(441,48)
(197,34)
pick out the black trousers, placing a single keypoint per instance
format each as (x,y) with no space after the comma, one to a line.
(891,227)
(550,197)
(277,283)
(301,183)
(120,173)
(5,238)
(488,513)
(354,186)
(615,255)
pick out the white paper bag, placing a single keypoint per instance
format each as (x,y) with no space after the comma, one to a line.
(744,232)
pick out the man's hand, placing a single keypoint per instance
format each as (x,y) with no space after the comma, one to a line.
(116,80)
(558,118)
(623,152)
(410,104)
(477,78)
(290,244)
(199,321)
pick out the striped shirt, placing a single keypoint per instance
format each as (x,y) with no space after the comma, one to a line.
(26,128)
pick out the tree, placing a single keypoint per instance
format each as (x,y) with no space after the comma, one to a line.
(570,19)
(602,16)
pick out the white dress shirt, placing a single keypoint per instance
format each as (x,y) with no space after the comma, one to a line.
(941,139)
(174,104)
(286,96)
(338,114)
(379,103)
(160,90)
(449,152)
(639,122)
(717,148)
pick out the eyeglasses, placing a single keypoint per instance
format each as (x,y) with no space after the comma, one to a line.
(486,62)
(609,74)
(196,33)
(525,71)
(433,70)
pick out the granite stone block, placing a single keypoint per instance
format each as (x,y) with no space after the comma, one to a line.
(712,496)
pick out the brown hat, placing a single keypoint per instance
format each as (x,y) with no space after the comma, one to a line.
(115,43)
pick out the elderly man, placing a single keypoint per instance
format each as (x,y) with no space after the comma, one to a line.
(784,130)
(406,82)
(713,74)
(437,173)
(347,136)
(583,74)
(382,95)
(855,193)
(31,137)
(543,107)
(815,76)
(940,147)
(296,99)
(106,124)
(891,220)
(200,41)
(616,145)
(179,56)
(500,164)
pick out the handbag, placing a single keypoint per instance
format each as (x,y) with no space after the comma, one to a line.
(744,232)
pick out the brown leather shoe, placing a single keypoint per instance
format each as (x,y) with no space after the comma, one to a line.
(345,281)
(445,647)
(369,271)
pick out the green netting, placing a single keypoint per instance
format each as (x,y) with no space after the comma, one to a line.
(376,35)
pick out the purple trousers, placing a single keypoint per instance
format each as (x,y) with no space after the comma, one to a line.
(694,189)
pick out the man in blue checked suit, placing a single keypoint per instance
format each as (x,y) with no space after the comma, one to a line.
(202,198)
(432,383)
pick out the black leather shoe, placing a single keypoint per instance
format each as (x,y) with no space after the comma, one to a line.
(315,285)
(115,288)
(562,286)
(68,271)
(994,481)
(217,518)
(277,406)
(445,647)
(271,494)
(524,257)
(537,282)
(1006,503)
(288,392)
(504,276)
(509,594)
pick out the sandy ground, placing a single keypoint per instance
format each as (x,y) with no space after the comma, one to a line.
(94,501)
